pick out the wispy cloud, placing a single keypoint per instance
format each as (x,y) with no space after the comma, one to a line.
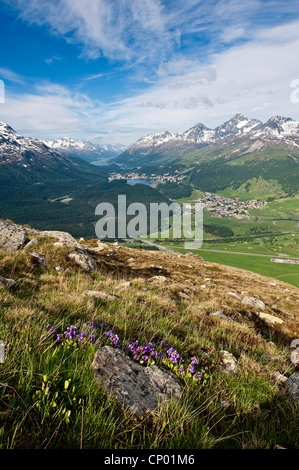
(116,29)
(9,75)
(50,60)
(186,61)
(151,31)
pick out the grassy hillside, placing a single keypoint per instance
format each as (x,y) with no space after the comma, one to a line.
(248,409)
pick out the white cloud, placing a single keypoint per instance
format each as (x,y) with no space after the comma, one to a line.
(116,29)
(182,87)
(251,78)
(9,75)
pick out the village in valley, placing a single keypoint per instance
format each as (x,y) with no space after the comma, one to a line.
(220,206)
(227,207)
(154,179)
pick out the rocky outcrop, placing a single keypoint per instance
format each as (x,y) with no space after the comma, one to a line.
(64,239)
(12,237)
(141,389)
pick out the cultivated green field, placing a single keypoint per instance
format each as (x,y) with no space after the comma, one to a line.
(262,265)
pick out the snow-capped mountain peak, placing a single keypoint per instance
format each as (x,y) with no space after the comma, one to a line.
(25,151)
(279,127)
(198,134)
(157,138)
(239,124)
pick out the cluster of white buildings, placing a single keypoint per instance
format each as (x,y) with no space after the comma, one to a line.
(226,207)
(155,180)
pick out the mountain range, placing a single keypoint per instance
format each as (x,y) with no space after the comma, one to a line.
(165,145)
(88,151)
(50,189)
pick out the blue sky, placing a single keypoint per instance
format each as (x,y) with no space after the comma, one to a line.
(115,70)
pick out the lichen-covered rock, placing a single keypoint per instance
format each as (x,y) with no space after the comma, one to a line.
(12,236)
(230,362)
(84,261)
(270,319)
(141,389)
(253,303)
(293,386)
(64,238)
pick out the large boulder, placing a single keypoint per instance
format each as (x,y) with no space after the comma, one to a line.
(141,389)
(12,236)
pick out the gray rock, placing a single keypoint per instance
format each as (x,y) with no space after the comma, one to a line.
(230,362)
(99,248)
(7,283)
(218,314)
(65,239)
(141,389)
(123,285)
(293,386)
(100,295)
(32,242)
(253,303)
(270,319)
(84,261)
(39,259)
(182,295)
(158,279)
(12,236)
(233,294)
